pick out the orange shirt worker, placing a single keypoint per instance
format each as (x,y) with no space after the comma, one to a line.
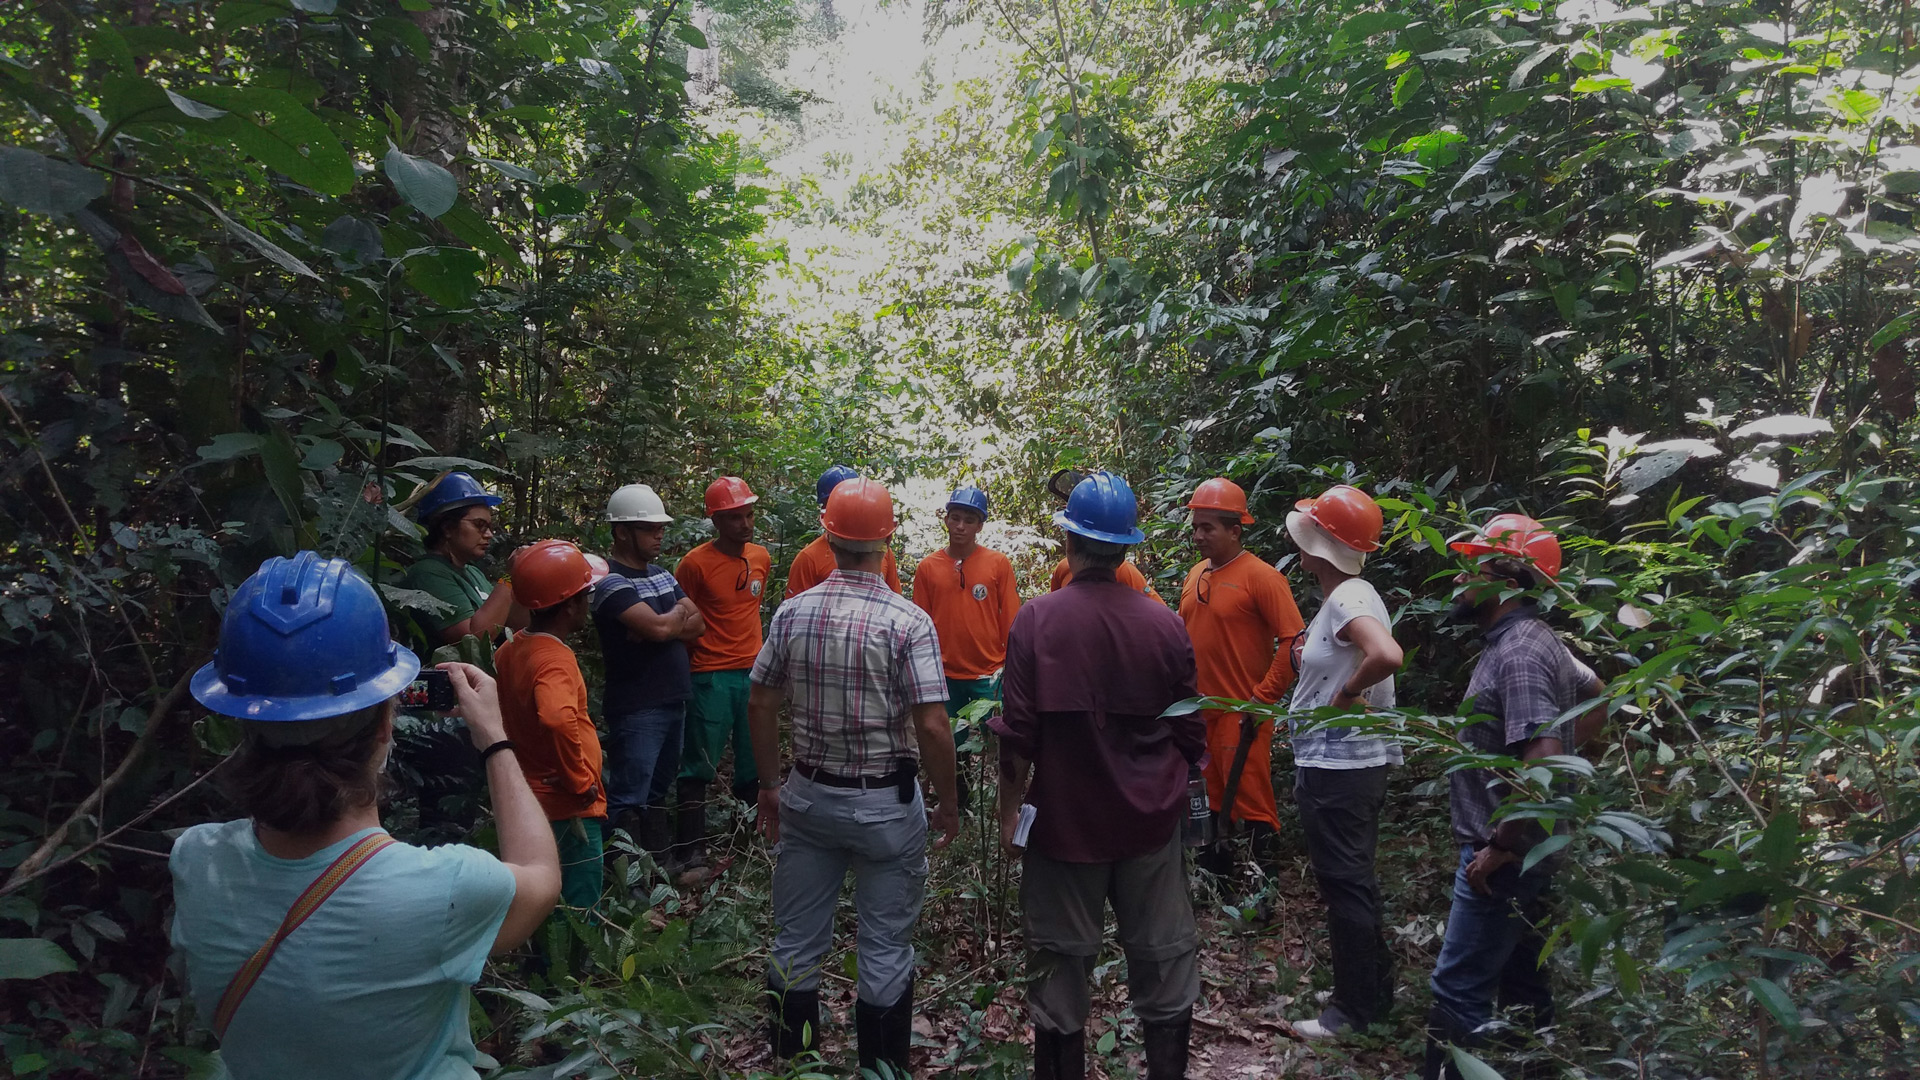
(970,594)
(543,702)
(815,561)
(1128,574)
(726,577)
(1241,616)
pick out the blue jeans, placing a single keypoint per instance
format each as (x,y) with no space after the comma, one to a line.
(1492,950)
(824,832)
(643,756)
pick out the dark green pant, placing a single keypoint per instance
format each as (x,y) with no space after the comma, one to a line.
(582,870)
(717,715)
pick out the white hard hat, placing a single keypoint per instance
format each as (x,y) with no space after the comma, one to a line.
(1314,539)
(636,502)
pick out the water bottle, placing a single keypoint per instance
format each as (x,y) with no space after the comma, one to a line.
(1199,826)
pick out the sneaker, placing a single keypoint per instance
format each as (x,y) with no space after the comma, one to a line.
(1330,1024)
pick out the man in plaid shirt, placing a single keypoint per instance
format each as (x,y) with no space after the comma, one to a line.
(1528,682)
(857,662)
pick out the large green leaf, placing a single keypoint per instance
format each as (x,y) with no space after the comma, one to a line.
(1776,1001)
(32,958)
(449,275)
(425,186)
(273,128)
(466,223)
(42,185)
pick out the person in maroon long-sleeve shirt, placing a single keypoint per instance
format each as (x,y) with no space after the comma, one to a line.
(1089,671)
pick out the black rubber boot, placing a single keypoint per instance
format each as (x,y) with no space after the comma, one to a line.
(1059,1057)
(1442,1034)
(633,821)
(656,832)
(1215,859)
(1167,1047)
(795,1026)
(885,1034)
(690,830)
(1356,970)
(748,792)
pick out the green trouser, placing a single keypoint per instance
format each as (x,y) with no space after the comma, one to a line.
(717,713)
(964,692)
(960,694)
(582,870)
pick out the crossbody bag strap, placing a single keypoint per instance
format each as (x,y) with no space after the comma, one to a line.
(309,902)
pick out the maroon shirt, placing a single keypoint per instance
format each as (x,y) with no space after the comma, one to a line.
(1089,670)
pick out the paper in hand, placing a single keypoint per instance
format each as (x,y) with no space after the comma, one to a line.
(1020,831)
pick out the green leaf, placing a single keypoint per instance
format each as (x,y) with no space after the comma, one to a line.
(465,222)
(1594,84)
(690,34)
(507,168)
(1854,106)
(32,958)
(292,141)
(1895,328)
(404,31)
(1407,85)
(425,186)
(353,237)
(194,108)
(518,112)
(1545,848)
(231,445)
(1368,23)
(281,459)
(276,254)
(558,200)
(317,7)
(1107,1042)
(1779,845)
(1776,1001)
(1472,1068)
(39,184)
(449,276)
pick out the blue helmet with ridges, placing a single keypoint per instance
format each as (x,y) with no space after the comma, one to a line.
(303,639)
(1102,507)
(454,490)
(970,497)
(833,478)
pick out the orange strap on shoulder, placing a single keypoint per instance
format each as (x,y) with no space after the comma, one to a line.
(309,902)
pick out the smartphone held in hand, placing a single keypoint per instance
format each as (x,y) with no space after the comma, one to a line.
(432,690)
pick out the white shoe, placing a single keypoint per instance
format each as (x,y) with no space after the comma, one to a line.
(1321,1027)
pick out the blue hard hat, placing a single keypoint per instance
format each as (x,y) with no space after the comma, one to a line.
(831,479)
(303,639)
(454,490)
(970,497)
(1102,508)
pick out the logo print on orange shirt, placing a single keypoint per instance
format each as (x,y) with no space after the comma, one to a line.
(979,592)
(755,586)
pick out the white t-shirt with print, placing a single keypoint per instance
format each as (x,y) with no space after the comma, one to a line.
(1325,664)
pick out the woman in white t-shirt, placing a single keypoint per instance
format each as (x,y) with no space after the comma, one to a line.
(1345,658)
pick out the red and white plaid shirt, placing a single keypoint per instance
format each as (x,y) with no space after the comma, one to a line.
(854,658)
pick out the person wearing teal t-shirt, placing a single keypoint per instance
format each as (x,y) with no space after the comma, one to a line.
(373,980)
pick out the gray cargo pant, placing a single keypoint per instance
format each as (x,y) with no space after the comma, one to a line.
(1062,912)
(824,832)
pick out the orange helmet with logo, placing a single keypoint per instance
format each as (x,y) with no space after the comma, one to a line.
(1222,495)
(1517,536)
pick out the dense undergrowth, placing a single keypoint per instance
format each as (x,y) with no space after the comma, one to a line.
(1645,271)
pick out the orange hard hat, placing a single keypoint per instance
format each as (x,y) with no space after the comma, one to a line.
(729,493)
(1223,495)
(1517,536)
(860,510)
(551,572)
(1348,514)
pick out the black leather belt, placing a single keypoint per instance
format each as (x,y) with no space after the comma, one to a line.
(823,777)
